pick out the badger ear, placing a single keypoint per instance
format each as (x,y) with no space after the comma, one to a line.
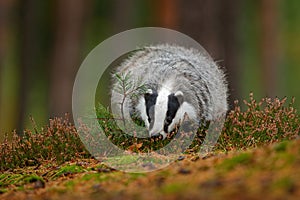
(179,96)
(148,93)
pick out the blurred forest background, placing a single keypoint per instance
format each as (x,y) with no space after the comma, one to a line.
(42,44)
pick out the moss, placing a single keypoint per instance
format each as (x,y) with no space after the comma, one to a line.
(70,184)
(69,169)
(87,177)
(241,159)
(123,160)
(17,180)
(11,179)
(33,178)
(285,183)
(173,188)
(3,190)
(96,177)
(281,146)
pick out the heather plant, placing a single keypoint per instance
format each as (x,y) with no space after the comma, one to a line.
(59,142)
(259,123)
(262,122)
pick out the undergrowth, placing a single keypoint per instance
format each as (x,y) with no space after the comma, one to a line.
(58,142)
(262,122)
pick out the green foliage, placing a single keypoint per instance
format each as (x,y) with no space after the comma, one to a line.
(126,86)
(128,89)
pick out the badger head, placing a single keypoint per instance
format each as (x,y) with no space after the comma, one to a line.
(162,110)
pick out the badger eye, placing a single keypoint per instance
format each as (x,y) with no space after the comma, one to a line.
(149,119)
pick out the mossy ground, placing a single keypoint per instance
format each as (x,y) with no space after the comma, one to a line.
(272,171)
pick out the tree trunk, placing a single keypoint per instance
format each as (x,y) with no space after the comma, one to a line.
(6,7)
(123,15)
(69,27)
(213,24)
(269,45)
(166,13)
(229,41)
(28,48)
(199,20)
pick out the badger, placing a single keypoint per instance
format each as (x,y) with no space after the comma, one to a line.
(177,82)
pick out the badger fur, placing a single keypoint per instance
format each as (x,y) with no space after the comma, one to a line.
(179,82)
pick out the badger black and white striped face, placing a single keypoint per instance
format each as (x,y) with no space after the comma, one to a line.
(162,110)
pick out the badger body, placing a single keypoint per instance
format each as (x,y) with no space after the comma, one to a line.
(179,82)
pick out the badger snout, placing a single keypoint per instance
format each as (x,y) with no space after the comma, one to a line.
(153,134)
(156,128)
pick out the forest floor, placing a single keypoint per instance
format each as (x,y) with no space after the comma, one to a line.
(257,156)
(269,172)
